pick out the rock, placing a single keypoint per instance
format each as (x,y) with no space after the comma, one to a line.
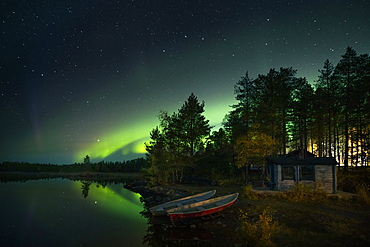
(218,223)
(192,227)
(149,198)
(196,238)
(158,199)
(223,225)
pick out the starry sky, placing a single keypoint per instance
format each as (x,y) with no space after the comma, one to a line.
(89,77)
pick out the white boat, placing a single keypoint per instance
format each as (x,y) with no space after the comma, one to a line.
(202,208)
(161,209)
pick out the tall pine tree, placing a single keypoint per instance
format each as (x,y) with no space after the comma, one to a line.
(195,127)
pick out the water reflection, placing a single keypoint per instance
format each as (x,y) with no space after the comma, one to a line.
(161,232)
(164,235)
(85,186)
(53,213)
(103,179)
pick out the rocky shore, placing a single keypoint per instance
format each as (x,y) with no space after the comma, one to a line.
(155,195)
(218,230)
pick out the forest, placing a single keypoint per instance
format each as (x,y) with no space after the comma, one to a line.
(275,114)
(135,165)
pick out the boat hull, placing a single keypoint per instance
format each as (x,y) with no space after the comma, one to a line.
(161,210)
(176,216)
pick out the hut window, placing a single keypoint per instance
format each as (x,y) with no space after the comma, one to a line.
(288,173)
(307,173)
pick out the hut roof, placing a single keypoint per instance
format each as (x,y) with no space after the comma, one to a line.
(300,152)
(297,161)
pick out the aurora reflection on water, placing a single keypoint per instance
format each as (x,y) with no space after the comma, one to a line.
(55,213)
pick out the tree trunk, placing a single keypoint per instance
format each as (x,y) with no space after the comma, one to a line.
(246,173)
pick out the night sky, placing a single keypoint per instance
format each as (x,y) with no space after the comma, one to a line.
(87,77)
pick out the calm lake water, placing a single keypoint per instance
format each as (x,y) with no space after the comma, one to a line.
(62,212)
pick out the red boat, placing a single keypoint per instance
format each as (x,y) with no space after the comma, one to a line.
(202,208)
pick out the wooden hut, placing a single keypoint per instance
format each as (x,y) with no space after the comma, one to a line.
(285,172)
(299,153)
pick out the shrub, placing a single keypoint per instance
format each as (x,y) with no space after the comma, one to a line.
(248,194)
(351,180)
(363,191)
(261,232)
(305,193)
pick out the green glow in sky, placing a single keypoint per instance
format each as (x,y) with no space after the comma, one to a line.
(131,140)
(127,140)
(128,135)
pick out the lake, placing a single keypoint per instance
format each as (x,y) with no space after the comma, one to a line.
(62,212)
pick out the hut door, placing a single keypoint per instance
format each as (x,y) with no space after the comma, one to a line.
(272,177)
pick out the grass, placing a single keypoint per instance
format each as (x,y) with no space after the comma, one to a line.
(327,224)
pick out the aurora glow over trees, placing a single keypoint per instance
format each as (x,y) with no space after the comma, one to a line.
(276,113)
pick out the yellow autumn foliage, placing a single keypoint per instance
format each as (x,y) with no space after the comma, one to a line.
(261,232)
(254,147)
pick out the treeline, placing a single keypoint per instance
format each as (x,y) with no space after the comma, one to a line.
(135,165)
(275,113)
(330,119)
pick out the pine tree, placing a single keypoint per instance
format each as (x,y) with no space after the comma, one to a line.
(195,127)
(177,139)
(345,72)
(301,115)
(326,82)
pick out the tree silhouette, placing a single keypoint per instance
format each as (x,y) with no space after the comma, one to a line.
(85,186)
(177,139)
(195,127)
(329,89)
(345,72)
(87,163)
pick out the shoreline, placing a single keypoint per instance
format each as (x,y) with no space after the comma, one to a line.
(108,176)
(336,221)
(220,230)
(113,174)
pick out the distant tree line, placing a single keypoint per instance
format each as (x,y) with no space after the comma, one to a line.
(134,165)
(275,113)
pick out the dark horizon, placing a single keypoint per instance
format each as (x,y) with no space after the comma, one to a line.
(81,161)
